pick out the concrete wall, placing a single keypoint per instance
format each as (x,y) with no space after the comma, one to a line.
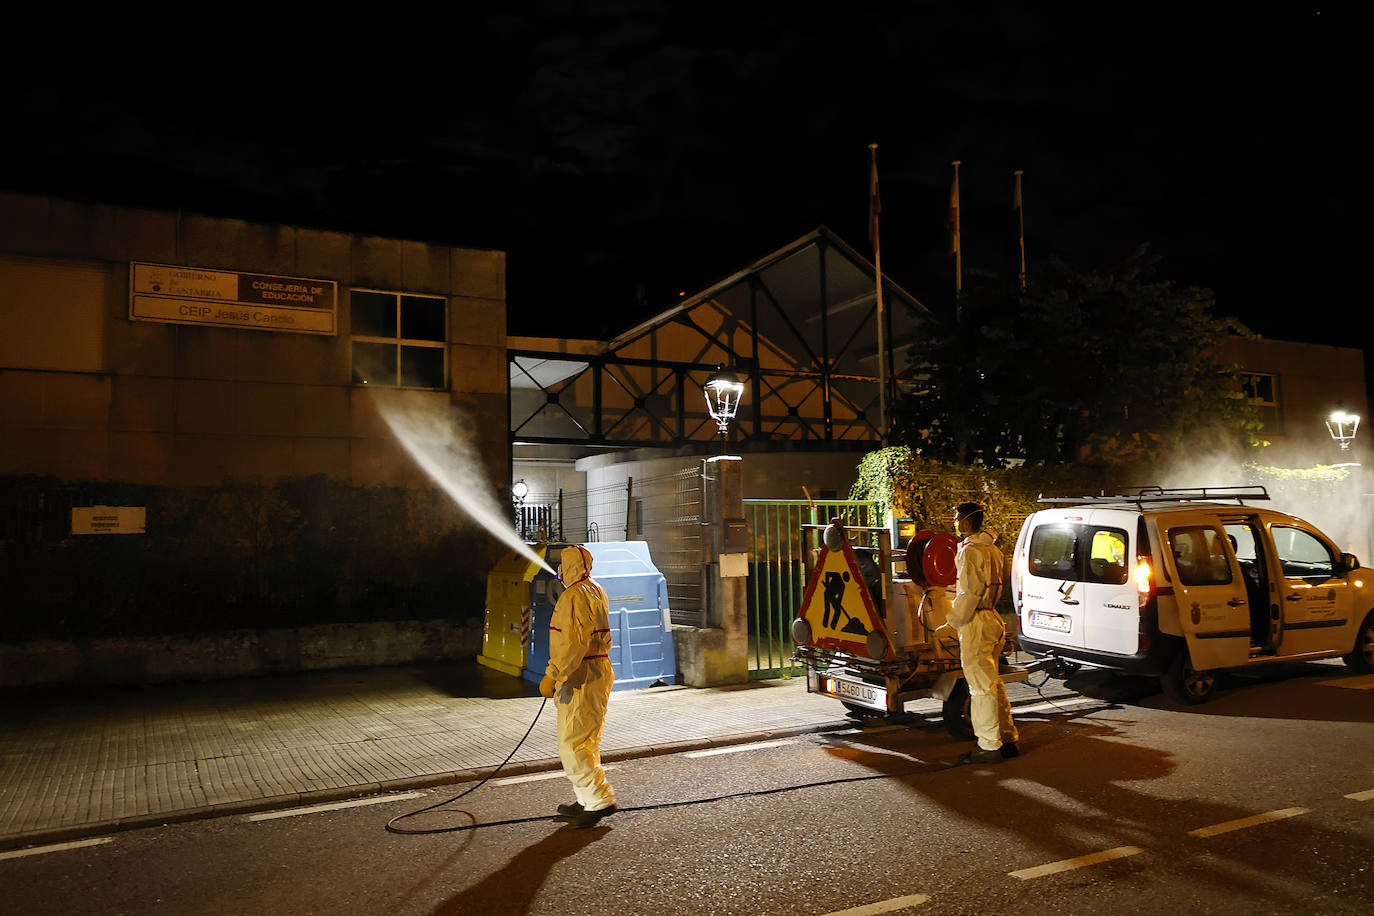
(86,393)
(1313,381)
(239,653)
(98,408)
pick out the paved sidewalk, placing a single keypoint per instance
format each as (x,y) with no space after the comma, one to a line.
(80,764)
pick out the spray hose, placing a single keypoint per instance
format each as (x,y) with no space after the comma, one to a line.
(476,825)
(391,824)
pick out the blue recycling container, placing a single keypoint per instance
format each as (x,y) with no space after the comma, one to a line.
(641,638)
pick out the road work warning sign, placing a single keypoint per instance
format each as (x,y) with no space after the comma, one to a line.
(837,604)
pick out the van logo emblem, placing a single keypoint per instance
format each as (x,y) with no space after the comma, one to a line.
(1197,613)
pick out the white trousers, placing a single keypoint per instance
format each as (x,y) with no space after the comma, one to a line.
(980,647)
(581,719)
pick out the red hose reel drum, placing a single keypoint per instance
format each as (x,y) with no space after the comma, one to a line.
(930,558)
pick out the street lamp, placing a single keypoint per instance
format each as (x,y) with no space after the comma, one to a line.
(1342,427)
(723,391)
(519,490)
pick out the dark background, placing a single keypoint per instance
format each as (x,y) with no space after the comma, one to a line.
(626,153)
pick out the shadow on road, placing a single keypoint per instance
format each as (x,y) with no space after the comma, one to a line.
(1083,785)
(513,888)
(1281,691)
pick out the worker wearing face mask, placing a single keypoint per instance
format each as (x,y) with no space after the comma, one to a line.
(980,567)
(579,679)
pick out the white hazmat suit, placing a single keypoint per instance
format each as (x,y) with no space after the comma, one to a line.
(980,566)
(581,675)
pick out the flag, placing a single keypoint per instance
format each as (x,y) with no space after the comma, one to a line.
(875,205)
(954,213)
(1020,227)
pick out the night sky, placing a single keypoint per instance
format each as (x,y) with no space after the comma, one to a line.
(633,151)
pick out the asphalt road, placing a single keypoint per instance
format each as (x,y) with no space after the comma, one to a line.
(1259,802)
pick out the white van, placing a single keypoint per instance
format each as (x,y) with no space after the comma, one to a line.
(1181,584)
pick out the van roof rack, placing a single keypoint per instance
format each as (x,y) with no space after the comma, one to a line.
(1142,495)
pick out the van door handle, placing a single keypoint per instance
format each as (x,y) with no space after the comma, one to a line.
(1068,600)
(1236,602)
(1294,598)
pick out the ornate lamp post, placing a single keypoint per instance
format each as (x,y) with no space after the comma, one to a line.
(723,391)
(1342,427)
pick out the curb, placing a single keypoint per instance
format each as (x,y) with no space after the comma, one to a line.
(52,835)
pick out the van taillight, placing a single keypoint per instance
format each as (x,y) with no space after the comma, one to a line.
(1144,580)
(1022,570)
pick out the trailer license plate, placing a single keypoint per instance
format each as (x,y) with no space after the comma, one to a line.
(849,690)
(1056,622)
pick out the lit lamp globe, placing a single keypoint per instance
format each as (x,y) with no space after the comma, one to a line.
(519,490)
(723,391)
(1342,427)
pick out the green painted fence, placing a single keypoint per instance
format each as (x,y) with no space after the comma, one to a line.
(776,582)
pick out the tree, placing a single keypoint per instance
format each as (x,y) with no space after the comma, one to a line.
(1109,367)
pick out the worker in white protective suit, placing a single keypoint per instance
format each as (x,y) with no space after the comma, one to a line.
(579,679)
(979,567)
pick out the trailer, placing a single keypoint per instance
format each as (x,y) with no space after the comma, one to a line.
(871,627)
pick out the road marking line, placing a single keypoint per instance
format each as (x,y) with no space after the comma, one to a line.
(1242,823)
(1106,855)
(1363,682)
(1055,705)
(865,731)
(885,906)
(739,748)
(55,847)
(316,809)
(1367,795)
(535,777)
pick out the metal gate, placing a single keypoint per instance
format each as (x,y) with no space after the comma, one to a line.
(776,582)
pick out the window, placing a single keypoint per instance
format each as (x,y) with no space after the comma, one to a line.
(1302,555)
(398,339)
(1054,552)
(1200,556)
(1262,390)
(1107,561)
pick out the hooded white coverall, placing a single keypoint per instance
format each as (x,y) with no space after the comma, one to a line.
(980,566)
(580,666)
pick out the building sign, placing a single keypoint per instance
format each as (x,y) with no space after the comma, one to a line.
(109,519)
(226,299)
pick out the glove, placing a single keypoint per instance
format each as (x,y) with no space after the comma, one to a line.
(546,687)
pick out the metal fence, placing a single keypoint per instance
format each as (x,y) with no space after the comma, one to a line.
(776,577)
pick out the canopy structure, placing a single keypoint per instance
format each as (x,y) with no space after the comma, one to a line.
(799,326)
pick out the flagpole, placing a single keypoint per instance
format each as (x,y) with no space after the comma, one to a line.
(958,245)
(874,207)
(1021,226)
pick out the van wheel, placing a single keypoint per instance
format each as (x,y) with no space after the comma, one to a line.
(1362,658)
(1183,684)
(955,712)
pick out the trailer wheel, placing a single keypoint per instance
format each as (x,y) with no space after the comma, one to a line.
(956,710)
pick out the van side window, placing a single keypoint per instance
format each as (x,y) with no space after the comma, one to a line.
(1301,555)
(1200,556)
(1053,552)
(1107,559)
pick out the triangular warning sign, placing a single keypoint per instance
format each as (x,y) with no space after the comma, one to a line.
(838,607)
